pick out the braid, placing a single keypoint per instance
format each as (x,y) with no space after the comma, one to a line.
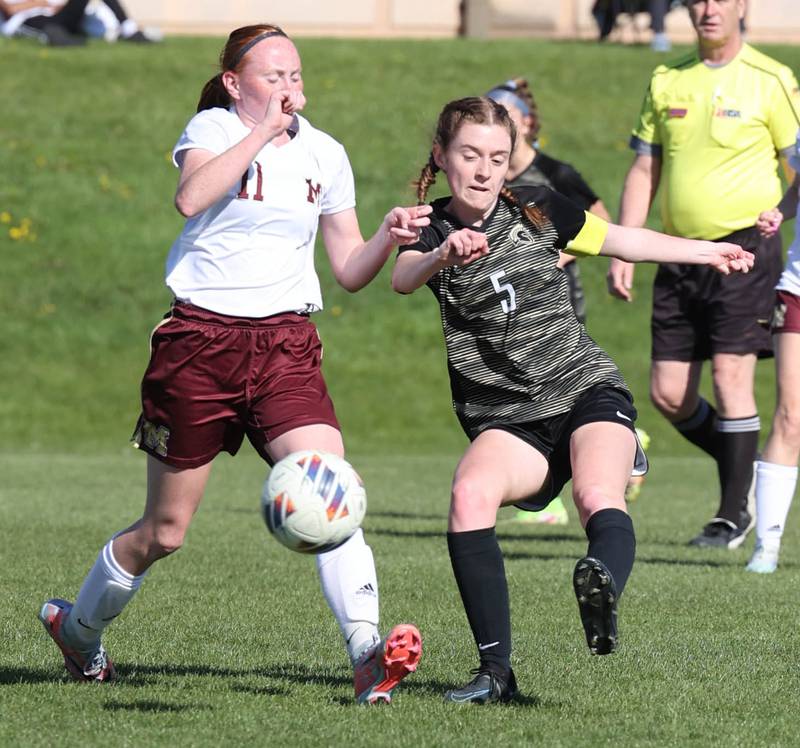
(523,90)
(531,212)
(426,178)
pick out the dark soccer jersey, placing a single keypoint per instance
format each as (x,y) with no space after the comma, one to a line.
(515,350)
(558,175)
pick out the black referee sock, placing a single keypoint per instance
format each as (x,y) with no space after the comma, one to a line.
(612,541)
(700,428)
(738,439)
(481,577)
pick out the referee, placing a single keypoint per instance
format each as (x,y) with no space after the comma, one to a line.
(712,128)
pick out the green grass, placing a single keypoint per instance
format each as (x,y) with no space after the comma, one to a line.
(230,642)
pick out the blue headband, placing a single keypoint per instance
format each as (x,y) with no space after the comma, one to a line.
(252,43)
(504,96)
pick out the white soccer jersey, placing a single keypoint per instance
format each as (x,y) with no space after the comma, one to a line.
(251,254)
(790,279)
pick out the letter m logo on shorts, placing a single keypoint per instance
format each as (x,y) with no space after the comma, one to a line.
(313,191)
(151,436)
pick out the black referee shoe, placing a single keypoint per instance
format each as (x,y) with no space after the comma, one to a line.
(597,602)
(487,687)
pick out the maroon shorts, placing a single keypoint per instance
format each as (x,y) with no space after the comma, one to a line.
(697,312)
(786,312)
(214,378)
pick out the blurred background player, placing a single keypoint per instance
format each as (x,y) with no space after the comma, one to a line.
(237,354)
(710,132)
(63,23)
(538,399)
(528,167)
(776,468)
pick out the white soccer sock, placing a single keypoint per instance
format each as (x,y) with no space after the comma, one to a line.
(775,486)
(106,590)
(350,585)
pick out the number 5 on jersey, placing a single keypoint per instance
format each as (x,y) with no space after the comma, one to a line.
(510,304)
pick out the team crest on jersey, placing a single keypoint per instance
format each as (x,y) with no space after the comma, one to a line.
(150,435)
(728,113)
(519,235)
(313,191)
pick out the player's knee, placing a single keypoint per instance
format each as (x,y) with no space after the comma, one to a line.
(787,425)
(592,498)
(471,498)
(165,540)
(670,403)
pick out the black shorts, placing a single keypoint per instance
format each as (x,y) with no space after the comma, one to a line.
(551,436)
(698,312)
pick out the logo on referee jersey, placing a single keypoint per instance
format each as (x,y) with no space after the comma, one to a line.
(677,113)
(728,113)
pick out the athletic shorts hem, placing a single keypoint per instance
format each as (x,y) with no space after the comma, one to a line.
(182,463)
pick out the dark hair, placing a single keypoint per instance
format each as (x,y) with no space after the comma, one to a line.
(239,42)
(481,111)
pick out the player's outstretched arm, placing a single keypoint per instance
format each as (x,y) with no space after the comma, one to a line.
(413,269)
(356,262)
(643,245)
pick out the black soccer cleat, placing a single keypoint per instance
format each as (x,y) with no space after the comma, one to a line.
(722,533)
(597,602)
(487,687)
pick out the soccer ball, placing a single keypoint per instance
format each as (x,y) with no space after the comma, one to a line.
(313,501)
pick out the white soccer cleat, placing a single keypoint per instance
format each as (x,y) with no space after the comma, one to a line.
(764,559)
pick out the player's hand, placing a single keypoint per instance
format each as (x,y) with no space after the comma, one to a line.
(281,108)
(462,247)
(404,224)
(769,222)
(619,279)
(729,258)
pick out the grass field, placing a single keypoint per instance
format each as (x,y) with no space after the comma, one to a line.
(230,641)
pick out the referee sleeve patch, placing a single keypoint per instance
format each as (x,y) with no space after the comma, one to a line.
(590,238)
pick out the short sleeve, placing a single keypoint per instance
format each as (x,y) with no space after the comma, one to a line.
(206,131)
(341,192)
(568,181)
(784,119)
(646,133)
(567,217)
(589,240)
(430,237)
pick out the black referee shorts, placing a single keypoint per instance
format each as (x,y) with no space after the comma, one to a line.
(551,436)
(698,312)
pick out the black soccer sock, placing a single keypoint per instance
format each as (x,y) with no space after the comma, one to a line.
(738,439)
(700,428)
(115,7)
(481,577)
(612,541)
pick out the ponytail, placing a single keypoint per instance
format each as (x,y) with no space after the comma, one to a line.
(214,94)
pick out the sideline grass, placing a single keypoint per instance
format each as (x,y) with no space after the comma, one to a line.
(230,641)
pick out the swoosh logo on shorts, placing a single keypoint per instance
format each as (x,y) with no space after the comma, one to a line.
(622,415)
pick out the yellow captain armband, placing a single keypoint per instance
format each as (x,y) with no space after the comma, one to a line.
(590,238)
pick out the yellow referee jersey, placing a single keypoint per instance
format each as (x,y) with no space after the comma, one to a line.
(718,131)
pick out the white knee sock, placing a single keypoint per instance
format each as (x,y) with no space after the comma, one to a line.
(775,486)
(350,585)
(106,590)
